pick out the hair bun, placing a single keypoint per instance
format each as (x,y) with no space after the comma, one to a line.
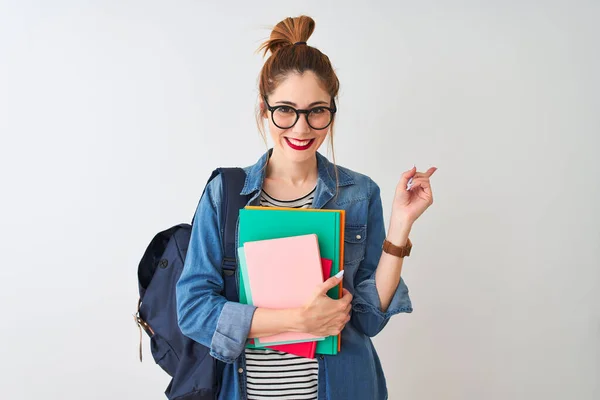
(288,32)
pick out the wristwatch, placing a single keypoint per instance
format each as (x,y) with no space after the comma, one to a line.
(398,251)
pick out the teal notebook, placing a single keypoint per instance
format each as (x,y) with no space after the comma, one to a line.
(262,224)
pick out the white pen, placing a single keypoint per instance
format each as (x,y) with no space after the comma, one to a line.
(409,185)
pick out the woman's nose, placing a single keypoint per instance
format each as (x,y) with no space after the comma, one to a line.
(301,125)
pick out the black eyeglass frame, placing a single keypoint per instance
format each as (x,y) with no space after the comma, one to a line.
(272,109)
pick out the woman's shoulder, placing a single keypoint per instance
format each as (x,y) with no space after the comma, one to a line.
(235,181)
(213,190)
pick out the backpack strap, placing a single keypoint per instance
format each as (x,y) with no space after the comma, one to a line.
(212,176)
(232,202)
(233,180)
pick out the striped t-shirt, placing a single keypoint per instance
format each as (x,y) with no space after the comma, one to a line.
(302,202)
(272,374)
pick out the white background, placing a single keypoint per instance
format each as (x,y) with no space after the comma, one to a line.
(113,114)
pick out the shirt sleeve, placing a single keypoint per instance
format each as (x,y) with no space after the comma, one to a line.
(204,314)
(367,316)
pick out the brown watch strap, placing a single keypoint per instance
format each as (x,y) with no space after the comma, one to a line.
(398,251)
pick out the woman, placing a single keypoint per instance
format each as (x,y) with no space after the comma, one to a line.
(298,87)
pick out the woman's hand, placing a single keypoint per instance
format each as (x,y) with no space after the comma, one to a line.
(324,316)
(410,203)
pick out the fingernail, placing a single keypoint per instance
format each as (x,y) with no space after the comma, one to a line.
(339,274)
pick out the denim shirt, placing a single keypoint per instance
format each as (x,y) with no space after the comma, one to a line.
(208,318)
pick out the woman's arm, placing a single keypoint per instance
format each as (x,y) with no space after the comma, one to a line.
(413,196)
(379,290)
(204,314)
(320,316)
(268,322)
(387,274)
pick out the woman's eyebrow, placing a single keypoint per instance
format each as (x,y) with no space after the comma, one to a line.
(291,103)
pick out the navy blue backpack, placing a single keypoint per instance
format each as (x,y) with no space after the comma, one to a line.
(195,374)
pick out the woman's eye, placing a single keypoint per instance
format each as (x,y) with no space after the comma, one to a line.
(285,110)
(318,110)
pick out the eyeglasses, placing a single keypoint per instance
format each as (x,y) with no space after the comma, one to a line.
(318,118)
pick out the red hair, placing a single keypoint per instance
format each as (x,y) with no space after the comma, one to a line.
(287,57)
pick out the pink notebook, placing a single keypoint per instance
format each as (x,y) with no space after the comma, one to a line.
(304,349)
(283,273)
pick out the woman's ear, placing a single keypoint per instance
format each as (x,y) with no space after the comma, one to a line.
(263,108)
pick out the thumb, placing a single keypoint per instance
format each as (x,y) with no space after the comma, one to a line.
(330,283)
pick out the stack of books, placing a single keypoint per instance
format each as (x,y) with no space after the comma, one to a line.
(284,254)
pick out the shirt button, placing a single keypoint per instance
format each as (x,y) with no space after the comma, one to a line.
(240,370)
(358,237)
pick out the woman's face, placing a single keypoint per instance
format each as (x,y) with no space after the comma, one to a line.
(302,92)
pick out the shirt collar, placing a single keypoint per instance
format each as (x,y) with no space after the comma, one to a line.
(255,175)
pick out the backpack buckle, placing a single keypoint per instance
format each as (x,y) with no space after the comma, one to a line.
(229,265)
(142,325)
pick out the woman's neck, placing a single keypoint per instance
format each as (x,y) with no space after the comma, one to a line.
(292,173)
